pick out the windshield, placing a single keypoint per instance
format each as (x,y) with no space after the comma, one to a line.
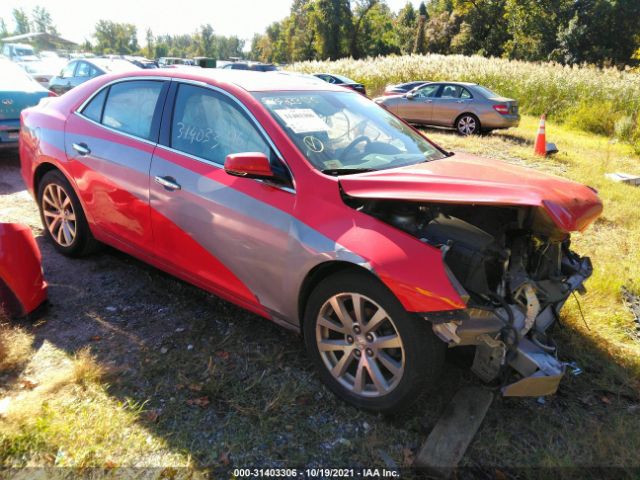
(342,132)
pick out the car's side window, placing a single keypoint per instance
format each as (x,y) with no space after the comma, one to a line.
(211,126)
(450,91)
(465,94)
(85,70)
(130,105)
(93,109)
(427,91)
(67,72)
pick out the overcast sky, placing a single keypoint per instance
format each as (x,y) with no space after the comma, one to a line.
(76,19)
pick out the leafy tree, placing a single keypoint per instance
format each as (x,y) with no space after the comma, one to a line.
(483,28)
(116,38)
(3,28)
(406,24)
(150,44)
(42,22)
(420,44)
(363,7)
(440,31)
(378,35)
(21,19)
(206,40)
(332,21)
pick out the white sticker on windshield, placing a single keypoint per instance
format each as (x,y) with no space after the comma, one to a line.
(302,120)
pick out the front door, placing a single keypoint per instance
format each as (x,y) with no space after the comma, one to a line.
(227,234)
(417,107)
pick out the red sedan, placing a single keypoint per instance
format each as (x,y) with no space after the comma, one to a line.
(311,206)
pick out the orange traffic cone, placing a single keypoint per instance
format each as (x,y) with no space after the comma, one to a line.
(541,140)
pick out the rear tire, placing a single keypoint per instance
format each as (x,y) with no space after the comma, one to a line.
(63,219)
(377,357)
(467,124)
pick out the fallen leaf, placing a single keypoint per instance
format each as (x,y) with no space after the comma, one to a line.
(304,399)
(606,400)
(28,384)
(110,464)
(500,475)
(201,402)
(222,355)
(224,458)
(195,387)
(408,457)
(95,338)
(153,415)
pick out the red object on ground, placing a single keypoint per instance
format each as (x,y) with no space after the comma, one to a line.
(541,139)
(22,285)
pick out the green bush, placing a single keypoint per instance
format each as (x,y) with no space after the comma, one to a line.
(625,129)
(595,117)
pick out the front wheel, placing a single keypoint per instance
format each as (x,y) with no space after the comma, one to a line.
(467,124)
(368,350)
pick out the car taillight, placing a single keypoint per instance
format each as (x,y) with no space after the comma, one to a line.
(501,109)
(52,94)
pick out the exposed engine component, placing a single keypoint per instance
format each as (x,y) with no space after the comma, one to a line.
(517,271)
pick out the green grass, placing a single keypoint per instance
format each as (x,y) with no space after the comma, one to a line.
(266,406)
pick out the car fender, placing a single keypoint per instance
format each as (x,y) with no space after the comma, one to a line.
(22,285)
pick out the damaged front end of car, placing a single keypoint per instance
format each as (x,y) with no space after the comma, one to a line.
(514,268)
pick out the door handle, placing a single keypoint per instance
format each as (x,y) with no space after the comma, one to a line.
(81,148)
(169,183)
(460,101)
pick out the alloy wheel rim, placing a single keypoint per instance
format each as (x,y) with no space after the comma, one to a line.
(467,125)
(360,345)
(59,216)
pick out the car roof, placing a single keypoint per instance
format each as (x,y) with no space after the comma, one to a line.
(111,65)
(248,80)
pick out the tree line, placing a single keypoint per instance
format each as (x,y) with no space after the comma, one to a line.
(601,32)
(122,38)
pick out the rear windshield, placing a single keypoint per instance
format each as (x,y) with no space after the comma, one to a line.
(486,92)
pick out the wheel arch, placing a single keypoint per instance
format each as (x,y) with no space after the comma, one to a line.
(40,171)
(318,273)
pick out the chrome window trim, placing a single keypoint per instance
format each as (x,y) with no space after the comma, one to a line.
(78,111)
(252,119)
(117,80)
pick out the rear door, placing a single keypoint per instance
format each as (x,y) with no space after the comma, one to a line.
(109,143)
(226,234)
(451,101)
(419,108)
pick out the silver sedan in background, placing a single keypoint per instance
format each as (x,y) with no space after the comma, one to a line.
(467,107)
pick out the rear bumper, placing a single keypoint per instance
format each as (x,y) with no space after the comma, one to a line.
(496,120)
(9,131)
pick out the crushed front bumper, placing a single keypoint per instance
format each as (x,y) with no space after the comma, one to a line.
(515,336)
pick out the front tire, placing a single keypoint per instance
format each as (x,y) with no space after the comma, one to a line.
(468,124)
(367,348)
(62,216)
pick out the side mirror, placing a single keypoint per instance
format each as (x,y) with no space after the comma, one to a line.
(410,95)
(249,165)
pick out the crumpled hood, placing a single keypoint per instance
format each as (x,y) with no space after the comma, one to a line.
(469,179)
